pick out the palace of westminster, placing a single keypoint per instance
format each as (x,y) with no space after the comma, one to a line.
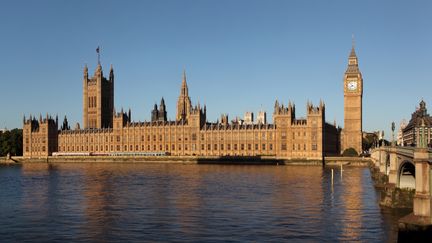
(105,131)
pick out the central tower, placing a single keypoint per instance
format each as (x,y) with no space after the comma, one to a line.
(184,104)
(353,95)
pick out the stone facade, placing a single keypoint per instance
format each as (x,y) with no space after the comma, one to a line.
(40,137)
(308,138)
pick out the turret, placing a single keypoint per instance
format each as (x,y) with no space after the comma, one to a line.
(198,116)
(111,75)
(154,113)
(129,116)
(85,72)
(65,125)
(162,113)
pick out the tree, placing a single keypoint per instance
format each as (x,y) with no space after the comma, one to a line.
(11,142)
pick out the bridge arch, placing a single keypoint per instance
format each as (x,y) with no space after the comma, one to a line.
(406,175)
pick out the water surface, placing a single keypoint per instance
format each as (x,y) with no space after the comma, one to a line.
(183,203)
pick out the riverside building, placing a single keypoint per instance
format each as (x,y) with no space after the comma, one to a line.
(107,132)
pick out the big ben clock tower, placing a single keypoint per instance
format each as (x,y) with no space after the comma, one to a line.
(353,94)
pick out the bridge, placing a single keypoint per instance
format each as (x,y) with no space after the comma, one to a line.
(407,170)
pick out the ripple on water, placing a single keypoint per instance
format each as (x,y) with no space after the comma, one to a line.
(213,203)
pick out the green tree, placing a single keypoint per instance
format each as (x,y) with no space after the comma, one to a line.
(11,142)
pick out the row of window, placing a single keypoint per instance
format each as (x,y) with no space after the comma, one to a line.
(143,138)
(37,149)
(160,147)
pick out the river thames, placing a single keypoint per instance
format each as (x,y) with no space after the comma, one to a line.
(117,202)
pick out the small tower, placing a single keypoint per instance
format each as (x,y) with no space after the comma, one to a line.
(154,113)
(65,125)
(162,114)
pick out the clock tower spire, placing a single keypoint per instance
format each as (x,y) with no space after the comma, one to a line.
(353,95)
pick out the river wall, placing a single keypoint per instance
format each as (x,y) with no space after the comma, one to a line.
(253,160)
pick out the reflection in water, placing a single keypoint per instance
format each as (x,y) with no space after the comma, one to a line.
(166,202)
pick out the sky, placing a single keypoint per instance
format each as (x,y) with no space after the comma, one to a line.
(238,55)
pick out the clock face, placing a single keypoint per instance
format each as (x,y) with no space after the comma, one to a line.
(352,85)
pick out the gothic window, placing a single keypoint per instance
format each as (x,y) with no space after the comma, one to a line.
(283,135)
(263,146)
(249,146)
(284,146)
(271,146)
(221,146)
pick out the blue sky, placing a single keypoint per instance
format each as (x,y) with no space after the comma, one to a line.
(239,55)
